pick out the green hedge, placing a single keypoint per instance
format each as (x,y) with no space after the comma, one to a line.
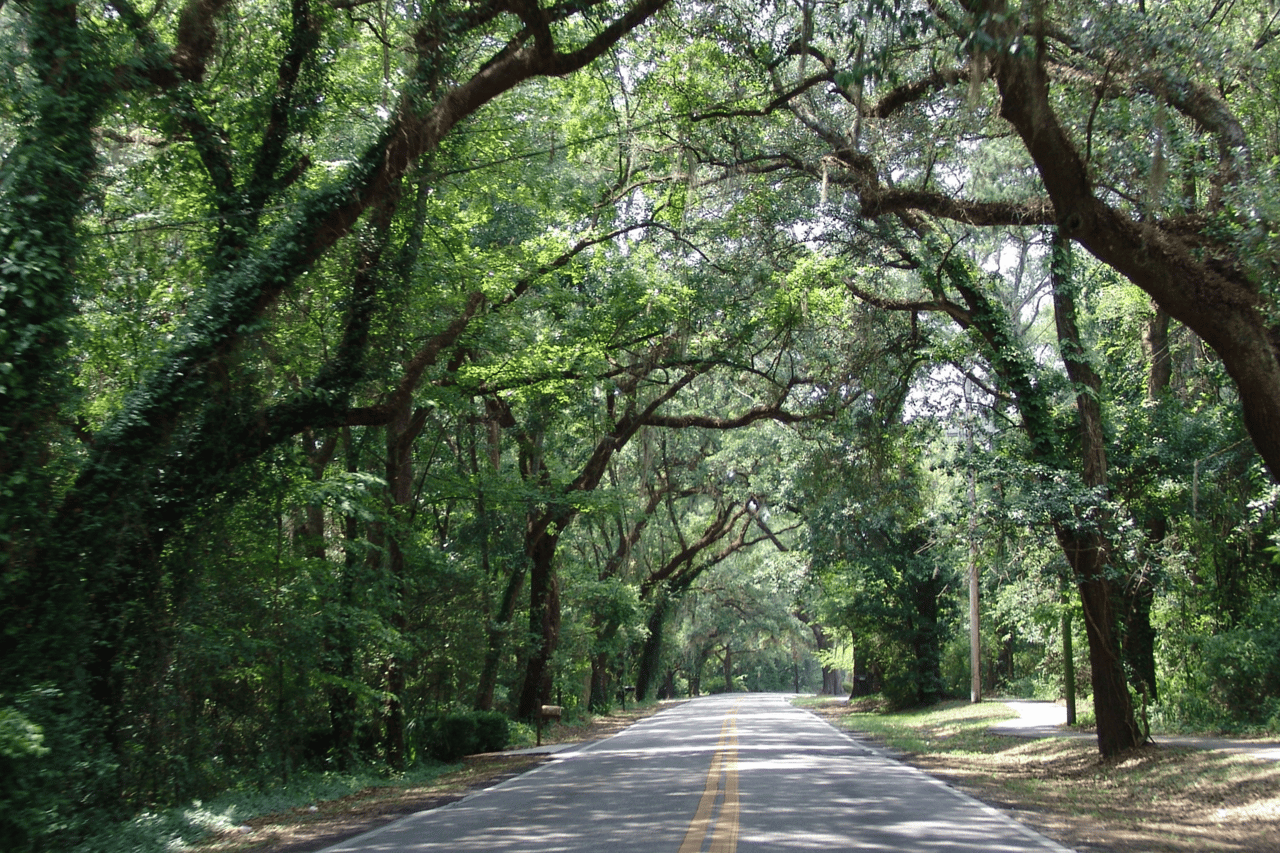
(448,736)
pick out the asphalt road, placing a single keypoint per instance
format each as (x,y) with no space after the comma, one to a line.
(719,774)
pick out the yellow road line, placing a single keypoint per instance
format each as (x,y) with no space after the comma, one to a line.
(724,762)
(725,839)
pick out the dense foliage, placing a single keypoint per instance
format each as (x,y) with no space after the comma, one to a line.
(372,374)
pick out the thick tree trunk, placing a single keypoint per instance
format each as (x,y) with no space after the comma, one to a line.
(1087,551)
(499,630)
(1212,298)
(1113,710)
(544,624)
(651,652)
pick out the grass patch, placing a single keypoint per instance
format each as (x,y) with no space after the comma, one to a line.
(1155,799)
(227,814)
(951,727)
(323,823)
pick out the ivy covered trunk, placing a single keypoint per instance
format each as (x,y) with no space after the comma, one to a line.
(651,652)
(497,634)
(1087,549)
(1083,541)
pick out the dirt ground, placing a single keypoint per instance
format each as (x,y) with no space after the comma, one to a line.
(1158,799)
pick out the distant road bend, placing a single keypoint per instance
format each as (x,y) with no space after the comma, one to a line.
(743,772)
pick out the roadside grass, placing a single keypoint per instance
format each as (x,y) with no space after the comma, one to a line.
(1155,799)
(232,813)
(321,822)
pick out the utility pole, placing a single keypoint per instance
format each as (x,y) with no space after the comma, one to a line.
(975,632)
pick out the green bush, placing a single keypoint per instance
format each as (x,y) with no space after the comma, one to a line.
(493,731)
(901,689)
(1243,665)
(448,736)
(21,742)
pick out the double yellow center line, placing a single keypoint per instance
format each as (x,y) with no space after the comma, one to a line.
(722,778)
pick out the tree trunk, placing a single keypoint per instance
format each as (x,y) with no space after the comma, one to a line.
(341,638)
(499,630)
(651,653)
(1113,710)
(402,431)
(599,701)
(601,696)
(699,664)
(1088,551)
(393,727)
(1215,300)
(830,677)
(1155,346)
(544,624)
(1139,638)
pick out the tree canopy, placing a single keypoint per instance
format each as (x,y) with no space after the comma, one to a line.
(362,361)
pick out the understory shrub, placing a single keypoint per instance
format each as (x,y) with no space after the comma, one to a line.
(1243,665)
(448,736)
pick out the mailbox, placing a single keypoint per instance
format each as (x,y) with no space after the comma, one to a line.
(548,712)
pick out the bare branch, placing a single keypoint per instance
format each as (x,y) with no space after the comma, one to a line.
(908,93)
(426,356)
(780,100)
(954,310)
(879,202)
(757,413)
